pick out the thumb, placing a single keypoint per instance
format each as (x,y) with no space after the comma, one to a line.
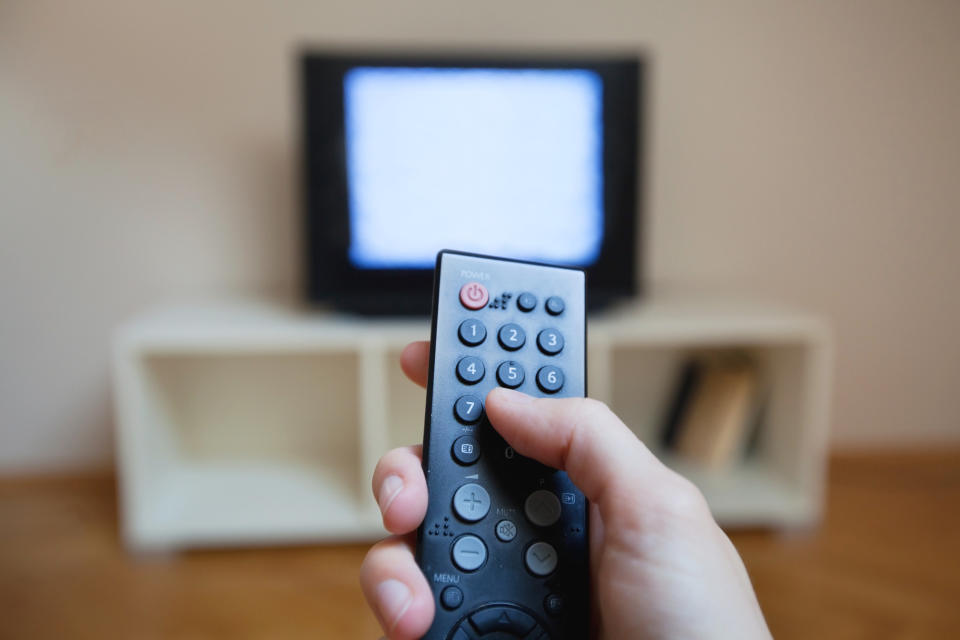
(584,438)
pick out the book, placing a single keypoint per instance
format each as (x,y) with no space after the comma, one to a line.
(684,389)
(720,413)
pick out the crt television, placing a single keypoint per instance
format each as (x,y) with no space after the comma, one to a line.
(531,157)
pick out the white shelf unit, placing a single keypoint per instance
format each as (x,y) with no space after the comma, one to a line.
(255,424)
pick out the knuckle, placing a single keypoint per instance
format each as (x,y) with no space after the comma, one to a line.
(686,500)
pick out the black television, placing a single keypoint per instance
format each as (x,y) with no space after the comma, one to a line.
(527,156)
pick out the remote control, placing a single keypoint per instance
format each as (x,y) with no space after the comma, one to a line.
(504,542)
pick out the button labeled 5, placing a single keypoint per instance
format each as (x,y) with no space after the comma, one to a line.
(510,374)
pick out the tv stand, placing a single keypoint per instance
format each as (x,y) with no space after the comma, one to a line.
(252,423)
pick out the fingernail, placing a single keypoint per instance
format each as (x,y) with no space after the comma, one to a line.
(394,598)
(390,489)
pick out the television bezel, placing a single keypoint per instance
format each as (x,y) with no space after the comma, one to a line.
(330,275)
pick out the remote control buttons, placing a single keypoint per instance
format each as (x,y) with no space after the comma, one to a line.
(542,508)
(502,622)
(468,409)
(550,341)
(471,502)
(474,295)
(550,379)
(511,336)
(554,305)
(540,558)
(552,604)
(510,374)
(469,553)
(527,302)
(470,370)
(472,332)
(506,530)
(466,450)
(451,597)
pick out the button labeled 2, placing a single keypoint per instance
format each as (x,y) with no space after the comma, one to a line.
(511,336)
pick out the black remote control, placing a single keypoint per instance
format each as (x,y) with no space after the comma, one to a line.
(504,542)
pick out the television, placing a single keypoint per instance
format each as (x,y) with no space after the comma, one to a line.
(526,156)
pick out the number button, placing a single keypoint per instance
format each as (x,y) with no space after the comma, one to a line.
(472,332)
(550,379)
(510,374)
(550,341)
(470,370)
(511,337)
(468,409)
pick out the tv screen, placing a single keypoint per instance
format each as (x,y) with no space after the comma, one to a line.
(530,159)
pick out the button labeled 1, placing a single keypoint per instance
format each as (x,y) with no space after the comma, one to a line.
(472,332)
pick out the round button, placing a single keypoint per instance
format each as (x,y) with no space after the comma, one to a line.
(527,301)
(550,379)
(471,502)
(550,341)
(506,530)
(466,450)
(554,305)
(511,336)
(552,604)
(510,374)
(472,332)
(542,508)
(468,409)
(451,597)
(470,370)
(469,553)
(541,559)
(474,295)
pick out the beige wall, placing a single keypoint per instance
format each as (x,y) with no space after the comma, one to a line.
(808,152)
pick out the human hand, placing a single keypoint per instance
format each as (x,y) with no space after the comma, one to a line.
(660,565)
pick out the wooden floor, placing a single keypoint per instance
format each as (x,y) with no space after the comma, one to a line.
(885,564)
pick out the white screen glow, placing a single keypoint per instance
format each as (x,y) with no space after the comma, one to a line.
(497,161)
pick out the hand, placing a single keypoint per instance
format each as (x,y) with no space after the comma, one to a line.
(660,565)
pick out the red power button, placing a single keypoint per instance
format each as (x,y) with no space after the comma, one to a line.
(474,295)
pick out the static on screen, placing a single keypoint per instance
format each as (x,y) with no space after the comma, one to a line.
(500,161)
